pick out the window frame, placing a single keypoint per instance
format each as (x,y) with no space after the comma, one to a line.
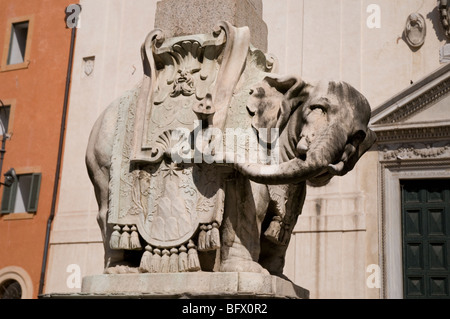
(21,276)
(9,213)
(26,60)
(12,108)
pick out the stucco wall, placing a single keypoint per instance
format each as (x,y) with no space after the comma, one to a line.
(36,95)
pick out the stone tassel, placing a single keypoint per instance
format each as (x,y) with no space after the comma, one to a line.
(165,261)
(182,259)
(115,238)
(173,261)
(146,259)
(208,237)
(215,236)
(273,231)
(135,243)
(125,238)
(155,264)
(193,261)
(202,238)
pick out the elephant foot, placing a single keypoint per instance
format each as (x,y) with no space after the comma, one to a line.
(242,266)
(121,269)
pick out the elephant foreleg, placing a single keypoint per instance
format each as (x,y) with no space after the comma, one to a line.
(273,253)
(241,227)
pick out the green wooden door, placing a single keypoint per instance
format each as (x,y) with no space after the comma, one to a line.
(426,238)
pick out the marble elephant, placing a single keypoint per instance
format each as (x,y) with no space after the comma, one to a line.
(322,133)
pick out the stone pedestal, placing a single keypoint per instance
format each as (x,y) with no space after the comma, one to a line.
(187,285)
(177,18)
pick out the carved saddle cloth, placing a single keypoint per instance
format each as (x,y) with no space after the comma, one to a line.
(188,80)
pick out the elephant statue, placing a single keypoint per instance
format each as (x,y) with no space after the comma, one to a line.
(160,215)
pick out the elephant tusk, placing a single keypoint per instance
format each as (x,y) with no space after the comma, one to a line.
(302,147)
(336,169)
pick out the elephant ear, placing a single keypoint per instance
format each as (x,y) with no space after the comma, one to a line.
(272,102)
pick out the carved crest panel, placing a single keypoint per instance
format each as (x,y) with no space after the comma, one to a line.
(163,201)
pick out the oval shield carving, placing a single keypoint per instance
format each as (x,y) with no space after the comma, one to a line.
(415,30)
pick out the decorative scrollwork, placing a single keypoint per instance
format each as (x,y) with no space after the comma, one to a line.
(445,19)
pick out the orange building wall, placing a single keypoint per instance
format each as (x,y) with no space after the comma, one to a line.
(39,94)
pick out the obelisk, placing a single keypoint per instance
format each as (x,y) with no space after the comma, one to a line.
(177,18)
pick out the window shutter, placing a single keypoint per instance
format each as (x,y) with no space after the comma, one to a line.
(34,193)
(9,198)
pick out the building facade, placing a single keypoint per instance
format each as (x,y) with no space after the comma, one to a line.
(382,230)
(35,45)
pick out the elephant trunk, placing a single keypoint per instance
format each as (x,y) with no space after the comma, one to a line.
(324,150)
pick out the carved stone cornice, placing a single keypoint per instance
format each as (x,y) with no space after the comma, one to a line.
(415,151)
(412,132)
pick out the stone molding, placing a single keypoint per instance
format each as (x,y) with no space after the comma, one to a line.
(413,99)
(417,104)
(414,151)
(413,132)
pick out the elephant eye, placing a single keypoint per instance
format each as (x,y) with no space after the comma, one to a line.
(318,107)
(258,92)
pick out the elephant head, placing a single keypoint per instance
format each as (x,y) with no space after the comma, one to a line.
(323,129)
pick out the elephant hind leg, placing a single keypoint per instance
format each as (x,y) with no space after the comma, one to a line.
(100,179)
(98,163)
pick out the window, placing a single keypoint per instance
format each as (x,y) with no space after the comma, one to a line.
(23,195)
(10,289)
(15,283)
(4,118)
(7,108)
(17,43)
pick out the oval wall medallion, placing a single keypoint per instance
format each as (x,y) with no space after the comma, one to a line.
(415,30)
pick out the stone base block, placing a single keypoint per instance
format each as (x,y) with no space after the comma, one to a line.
(189,285)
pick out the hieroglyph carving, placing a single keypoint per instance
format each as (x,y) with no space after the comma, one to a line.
(236,212)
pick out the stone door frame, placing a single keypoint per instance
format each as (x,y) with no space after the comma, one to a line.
(390,220)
